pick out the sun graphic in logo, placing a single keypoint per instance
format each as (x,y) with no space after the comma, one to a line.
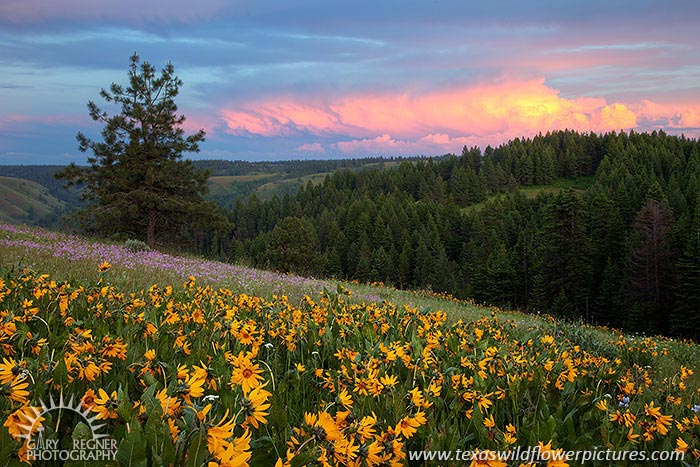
(30,421)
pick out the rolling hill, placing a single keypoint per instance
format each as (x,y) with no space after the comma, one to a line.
(228,181)
(23,200)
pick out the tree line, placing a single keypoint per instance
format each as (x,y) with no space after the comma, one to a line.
(624,250)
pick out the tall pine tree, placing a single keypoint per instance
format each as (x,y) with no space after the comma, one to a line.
(137,184)
(685,315)
(649,281)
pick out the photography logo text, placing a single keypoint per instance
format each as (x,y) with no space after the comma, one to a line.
(91,446)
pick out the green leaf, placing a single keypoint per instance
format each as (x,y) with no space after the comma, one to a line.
(132,449)
(304,458)
(197,452)
(81,432)
(60,373)
(149,379)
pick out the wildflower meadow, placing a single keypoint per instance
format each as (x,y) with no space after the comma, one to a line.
(191,373)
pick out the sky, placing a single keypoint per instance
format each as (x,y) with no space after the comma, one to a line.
(317,79)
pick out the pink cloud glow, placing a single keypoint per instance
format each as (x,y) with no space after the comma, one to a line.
(479,110)
(312,148)
(436,121)
(672,117)
(388,145)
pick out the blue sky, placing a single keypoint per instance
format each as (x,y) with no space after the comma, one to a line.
(319,79)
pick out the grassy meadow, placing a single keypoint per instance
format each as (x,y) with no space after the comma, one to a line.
(579,185)
(189,362)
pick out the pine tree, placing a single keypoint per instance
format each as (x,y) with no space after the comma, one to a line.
(137,184)
(423,265)
(685,317)
(382,265)
(605,309)
(333,265)
(650,266)
(293,246)
(608,235)
(352,258)
(364,268)
(405,266)
(563,257)
(495,283)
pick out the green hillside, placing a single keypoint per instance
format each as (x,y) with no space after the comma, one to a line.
(26,201)
(577,224)
(231,180)
(578,185)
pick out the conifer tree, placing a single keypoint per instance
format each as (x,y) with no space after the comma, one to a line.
(650,266)
(605,309)
(405,265)
(136,183)
(495,282)
(293,246)
(685,317)
(563,266)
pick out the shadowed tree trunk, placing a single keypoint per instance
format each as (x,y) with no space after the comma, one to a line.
(651,266)
(151,229)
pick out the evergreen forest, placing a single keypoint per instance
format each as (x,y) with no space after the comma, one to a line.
(599,228)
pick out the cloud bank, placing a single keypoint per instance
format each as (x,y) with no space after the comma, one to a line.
(433,122)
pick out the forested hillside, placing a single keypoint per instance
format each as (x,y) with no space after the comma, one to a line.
(231,180)
(621,249)
(228,180)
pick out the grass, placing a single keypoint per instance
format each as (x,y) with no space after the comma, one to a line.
(229,179)
(577,184)
(289,184)
(73,258)
(41,250)
(266,185)
(18,197)
(580,184)
(226,183)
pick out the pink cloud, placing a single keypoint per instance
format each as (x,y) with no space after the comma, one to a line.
(672,117)
(615,116)
(689,119)
(508,108)
(379,144)
(312,147)
(197,121)
(279,119)
(439,121)
(386,144)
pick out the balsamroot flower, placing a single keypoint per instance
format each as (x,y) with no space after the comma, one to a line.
(408,426)
(245,373)
(106,405)
(254,406)
(24,422)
